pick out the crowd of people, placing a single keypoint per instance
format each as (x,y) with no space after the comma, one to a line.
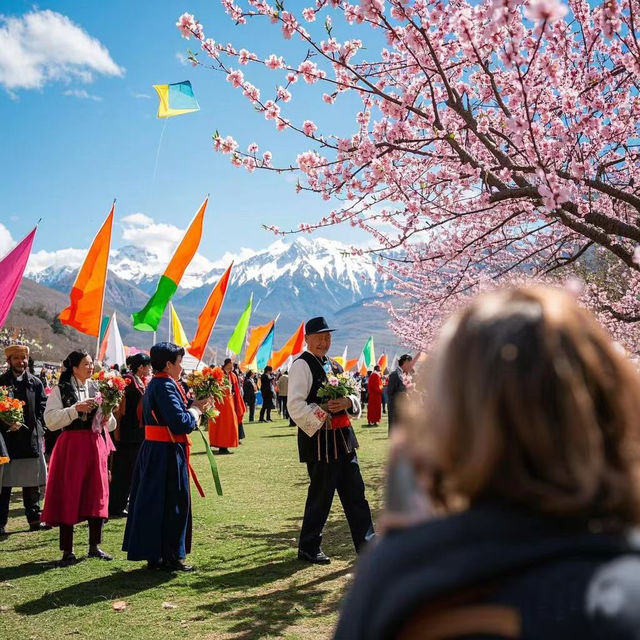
(134,462)
(512,500)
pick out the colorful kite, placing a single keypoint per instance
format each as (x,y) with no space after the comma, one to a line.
(176,99)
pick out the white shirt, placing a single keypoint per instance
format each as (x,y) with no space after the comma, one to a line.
(57,416)
(309,416)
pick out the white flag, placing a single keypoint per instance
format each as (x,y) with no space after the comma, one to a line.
(115,347)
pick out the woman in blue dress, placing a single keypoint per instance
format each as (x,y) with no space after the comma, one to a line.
(158,526)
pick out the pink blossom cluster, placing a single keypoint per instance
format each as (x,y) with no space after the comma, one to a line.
(495,139)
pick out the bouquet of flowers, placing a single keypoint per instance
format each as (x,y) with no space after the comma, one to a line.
(111,386)
(339,386)
(11,411)
(209,383)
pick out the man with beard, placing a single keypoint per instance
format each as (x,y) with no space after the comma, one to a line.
(27,468)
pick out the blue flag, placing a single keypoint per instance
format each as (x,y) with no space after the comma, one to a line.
(266,349)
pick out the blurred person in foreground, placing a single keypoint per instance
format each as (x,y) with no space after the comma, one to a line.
(523,445)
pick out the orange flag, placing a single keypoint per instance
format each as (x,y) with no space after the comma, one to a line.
(294,345)
(350,364)
(87,295)
(209,315)
(383,362)
(256,338)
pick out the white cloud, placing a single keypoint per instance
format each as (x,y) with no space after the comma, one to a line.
(45,46)
(161,240)
(41,260)
(6,241)
(138,220)
(157,239)
(143,96)
(82,94)
(182,58)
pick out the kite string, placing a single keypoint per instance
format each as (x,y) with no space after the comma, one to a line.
(152,184)
(155,168)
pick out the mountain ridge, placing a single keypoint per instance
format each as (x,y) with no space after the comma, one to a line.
(298,280)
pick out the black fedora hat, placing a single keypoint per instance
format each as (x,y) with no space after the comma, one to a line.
(317,325)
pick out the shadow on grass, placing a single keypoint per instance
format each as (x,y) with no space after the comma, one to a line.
(118,585)
(8,574)
(280,435)
(270,613)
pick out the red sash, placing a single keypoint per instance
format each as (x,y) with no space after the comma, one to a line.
(162,433)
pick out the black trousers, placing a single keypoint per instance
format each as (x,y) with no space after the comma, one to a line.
(95,534)
(123,464)
(285,412)
(325,478)
(30,500)
(252,409)
(262,413)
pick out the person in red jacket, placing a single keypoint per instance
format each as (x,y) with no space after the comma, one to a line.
(374,405)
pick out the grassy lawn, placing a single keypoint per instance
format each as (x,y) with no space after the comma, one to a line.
(248,583)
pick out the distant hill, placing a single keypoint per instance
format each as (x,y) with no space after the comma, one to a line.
(34,311)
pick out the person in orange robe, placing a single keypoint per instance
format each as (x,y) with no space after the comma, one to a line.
(223,430)
(238,400)
(374,405)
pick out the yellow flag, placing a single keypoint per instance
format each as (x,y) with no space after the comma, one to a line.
(177,332)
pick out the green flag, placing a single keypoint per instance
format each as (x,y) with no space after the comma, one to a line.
(367,357)
(237,338)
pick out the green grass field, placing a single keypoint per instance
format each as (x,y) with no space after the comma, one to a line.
(248,583)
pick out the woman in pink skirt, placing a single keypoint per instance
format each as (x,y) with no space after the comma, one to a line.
(78,484)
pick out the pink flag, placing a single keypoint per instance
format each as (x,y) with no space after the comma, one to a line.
(12,267)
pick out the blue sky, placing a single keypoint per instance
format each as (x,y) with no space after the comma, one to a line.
(70,145)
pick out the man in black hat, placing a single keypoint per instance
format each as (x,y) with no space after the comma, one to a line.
(328,451)
(129,435)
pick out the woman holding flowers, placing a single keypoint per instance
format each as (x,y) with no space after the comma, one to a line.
(159,522)
(78,485)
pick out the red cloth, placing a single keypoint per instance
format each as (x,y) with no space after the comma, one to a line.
(223,431)
(374,406)
(238,401)
(78,482)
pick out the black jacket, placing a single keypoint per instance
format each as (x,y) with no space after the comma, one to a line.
(565,581)
(25,443)
(395,386)
(249,390)
(266,387)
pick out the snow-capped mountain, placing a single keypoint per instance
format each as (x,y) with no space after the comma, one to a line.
(306,274)
(297,279)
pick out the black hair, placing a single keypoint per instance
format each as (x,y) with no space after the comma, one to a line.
(226,362)
(138,360)
(376,368)
(71,361)
(164,352)
(404,358)
(268,368)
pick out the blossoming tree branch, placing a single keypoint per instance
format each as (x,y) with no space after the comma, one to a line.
(493,138)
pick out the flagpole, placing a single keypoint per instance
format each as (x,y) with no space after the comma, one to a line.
(104,290)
